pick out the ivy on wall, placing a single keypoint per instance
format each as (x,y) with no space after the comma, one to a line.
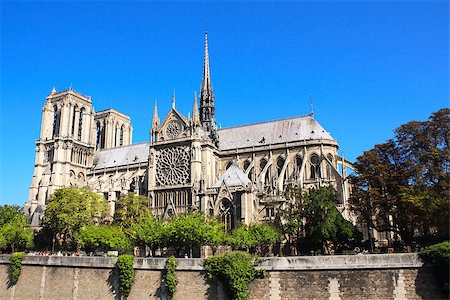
(169,279)
(15,267)
(236,270)
(125,268)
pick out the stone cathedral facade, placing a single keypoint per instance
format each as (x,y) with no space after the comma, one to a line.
(239,174)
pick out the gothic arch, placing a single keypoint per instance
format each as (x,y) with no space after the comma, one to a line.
(315,170)
(225,210)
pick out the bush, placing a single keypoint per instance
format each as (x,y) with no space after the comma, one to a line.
(439,256)
(170,280)
(15,267)
(236,270)
(125,268)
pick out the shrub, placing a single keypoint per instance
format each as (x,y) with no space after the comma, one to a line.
(439,256)
(170,280)
(125,268)
(15,267)
(236,270)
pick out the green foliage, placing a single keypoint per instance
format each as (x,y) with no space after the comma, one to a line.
(215,235)
(130,209)
(323,221)
(186,231)
(402,185)
(439,256)
(15,267)
(125,268)
(254,236)
(236,270)
(70,209)
(170,280)
(311,220)
(148,231)
(105,238)
(14,230)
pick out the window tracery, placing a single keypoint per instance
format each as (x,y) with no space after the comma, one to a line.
(172,166)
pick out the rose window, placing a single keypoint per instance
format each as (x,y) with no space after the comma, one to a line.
(173,129)
(172,166)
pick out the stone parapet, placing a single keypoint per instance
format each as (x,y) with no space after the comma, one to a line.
(293,263)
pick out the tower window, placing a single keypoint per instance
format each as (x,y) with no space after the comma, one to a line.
(56,118)
(121,136)
(315,167)
(80,123)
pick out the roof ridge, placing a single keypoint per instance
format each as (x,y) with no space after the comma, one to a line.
(268,121)
(125,146)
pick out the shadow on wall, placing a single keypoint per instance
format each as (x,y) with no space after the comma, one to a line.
(428,288)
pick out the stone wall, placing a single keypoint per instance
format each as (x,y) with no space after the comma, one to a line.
(395,276)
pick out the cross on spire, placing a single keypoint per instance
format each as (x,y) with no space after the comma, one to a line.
(206,93)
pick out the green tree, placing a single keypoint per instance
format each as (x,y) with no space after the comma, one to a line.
(186,231)
(265,235)
(70,209)
(129,209)
(215,234)
(149,231)
(14,231)
(323,222)
(402,185)
(107,237)
(242,238)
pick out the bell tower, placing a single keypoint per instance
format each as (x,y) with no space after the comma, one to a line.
(65,149)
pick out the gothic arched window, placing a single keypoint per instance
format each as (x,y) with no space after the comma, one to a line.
(80,123)
(280,164)
(315,166)
(329,172)
(73,119)
(298,166)
(98,131)
(121,136)
(56,117)
(226,214)
(115,135)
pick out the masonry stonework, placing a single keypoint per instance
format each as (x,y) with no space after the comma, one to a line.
(395,277)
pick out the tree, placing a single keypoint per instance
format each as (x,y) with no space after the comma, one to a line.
(130,208)
(265,235)
(402,185)
(187,230)
(104,238)
(14,231)
(148,231)
(70,209)
(323,222)
(215,235)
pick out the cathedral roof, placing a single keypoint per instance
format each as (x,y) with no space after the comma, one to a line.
(122,156)
(233,176)
(272,132)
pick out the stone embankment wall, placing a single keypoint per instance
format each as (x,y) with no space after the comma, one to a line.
(392,276)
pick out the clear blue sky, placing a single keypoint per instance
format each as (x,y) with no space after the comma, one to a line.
(369,66)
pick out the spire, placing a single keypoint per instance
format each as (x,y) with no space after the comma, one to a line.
(155,119)
(195,113)
(311,110)
(53,90)
(173,99)
(206,92)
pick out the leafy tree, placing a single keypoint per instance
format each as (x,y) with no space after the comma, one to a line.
(148,231)
(215,235)
(70,209)
(107,237)
(402,185)
(186,231)
(265,235)
(14,231)
(323,222)
(242,238)
(130,208)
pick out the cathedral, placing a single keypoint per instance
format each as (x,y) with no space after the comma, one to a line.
(239,174)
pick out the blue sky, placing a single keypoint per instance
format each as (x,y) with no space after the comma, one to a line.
(370,66)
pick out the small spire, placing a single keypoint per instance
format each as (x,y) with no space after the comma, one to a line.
(195,113)
(53,90)
(173,99)
(155,119)
(311,110)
